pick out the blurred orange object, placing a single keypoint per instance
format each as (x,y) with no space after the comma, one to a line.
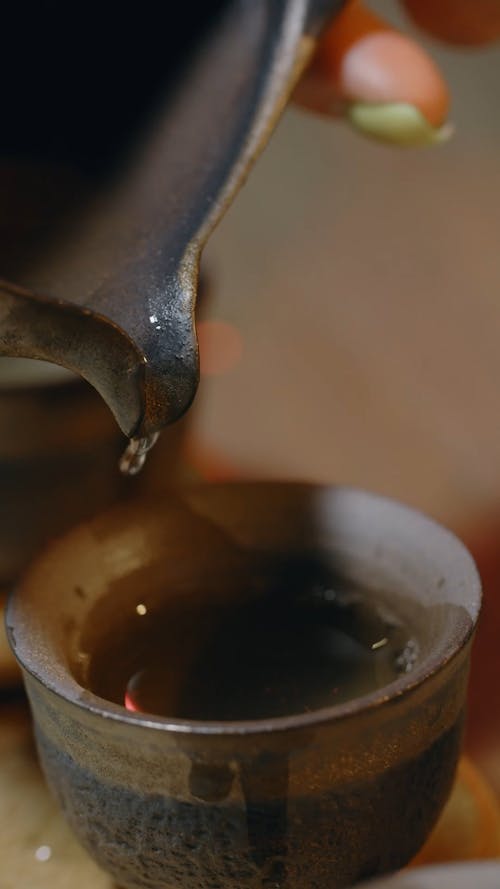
(462,22)
(208,465)
(469,827)
(483,722)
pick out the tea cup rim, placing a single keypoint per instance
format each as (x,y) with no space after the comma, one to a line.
(64,685)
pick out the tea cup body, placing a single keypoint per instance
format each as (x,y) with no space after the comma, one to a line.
(322,798)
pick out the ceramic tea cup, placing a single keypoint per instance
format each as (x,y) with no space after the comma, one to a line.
(319,798)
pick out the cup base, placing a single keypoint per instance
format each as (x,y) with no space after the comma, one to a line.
(38,848)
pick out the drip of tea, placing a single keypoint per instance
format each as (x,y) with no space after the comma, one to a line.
(135,454)
(274,654)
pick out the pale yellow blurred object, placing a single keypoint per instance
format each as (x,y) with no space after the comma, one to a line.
(397,123)
(469,827)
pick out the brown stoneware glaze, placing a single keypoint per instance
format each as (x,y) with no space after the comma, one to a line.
(321,799)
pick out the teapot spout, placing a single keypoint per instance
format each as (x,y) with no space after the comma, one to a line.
(93,347)
(113,298)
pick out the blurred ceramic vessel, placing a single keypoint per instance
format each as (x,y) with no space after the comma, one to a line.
(59,448)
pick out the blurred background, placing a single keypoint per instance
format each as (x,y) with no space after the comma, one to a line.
(350,333)
(365,285)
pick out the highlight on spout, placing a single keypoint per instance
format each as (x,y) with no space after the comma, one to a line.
(134,457)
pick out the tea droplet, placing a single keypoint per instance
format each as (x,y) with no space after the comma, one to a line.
(135,454)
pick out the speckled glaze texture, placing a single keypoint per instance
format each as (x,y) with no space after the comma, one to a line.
(332,837)
(320,800)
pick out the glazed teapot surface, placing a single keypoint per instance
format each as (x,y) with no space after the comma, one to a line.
(122,150)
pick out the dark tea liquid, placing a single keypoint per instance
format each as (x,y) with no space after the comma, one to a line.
(275,654)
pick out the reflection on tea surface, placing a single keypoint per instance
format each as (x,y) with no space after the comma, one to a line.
(298,646)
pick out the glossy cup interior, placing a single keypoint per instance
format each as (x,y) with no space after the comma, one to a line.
(320,798)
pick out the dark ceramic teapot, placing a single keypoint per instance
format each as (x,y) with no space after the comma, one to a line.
(135,131)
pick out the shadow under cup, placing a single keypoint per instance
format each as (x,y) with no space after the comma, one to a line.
(320,799)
